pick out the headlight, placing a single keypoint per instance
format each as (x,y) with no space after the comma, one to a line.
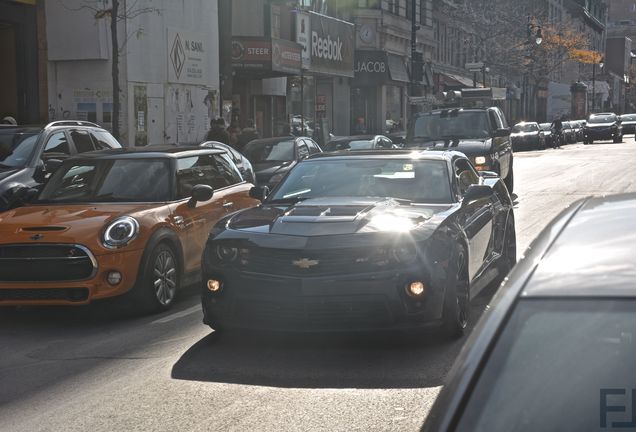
(480,160)
(404,254)
(226,253)
(120,232)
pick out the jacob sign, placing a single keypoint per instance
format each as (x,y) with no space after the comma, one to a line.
(187,58)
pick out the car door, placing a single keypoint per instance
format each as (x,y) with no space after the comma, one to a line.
(476,219)
(195,221)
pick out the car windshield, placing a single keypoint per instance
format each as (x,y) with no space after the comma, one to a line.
(16,147)
(545,126)
(453,124)
(270,151)
(525,127)
(349,145)
(557,357)
(414,180)
(628,117)
(108,180)
(608,118)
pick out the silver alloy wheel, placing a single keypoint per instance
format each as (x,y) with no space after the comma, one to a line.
(165,277)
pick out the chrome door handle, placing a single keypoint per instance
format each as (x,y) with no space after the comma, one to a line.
(228,204)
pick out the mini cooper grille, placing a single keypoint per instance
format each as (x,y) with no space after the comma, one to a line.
(317,262)
(36,294)
(45,263)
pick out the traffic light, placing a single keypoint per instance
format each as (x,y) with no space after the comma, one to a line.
(418,67)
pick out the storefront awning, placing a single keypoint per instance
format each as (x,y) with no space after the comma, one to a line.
(397,68)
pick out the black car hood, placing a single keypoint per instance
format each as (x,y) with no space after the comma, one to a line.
(339,216)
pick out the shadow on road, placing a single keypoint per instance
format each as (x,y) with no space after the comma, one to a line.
(367,360)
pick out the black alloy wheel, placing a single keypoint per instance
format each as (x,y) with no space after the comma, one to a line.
(457,301)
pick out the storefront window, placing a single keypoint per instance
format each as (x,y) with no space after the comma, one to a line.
(394,109)
(300,105)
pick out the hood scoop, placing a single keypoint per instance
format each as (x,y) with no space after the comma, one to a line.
(44,229)
(323,213)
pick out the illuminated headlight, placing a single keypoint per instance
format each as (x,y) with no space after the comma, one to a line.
(226,253)
(120,232)
(480,160)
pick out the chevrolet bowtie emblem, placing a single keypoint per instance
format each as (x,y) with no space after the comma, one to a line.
(37,237)
(305,263)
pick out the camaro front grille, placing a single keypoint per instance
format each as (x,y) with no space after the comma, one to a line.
(45,263)
(38,294)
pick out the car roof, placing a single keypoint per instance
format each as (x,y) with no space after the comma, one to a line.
(154,151)
(425,154)
(593,255)
(602,114)
(60,124)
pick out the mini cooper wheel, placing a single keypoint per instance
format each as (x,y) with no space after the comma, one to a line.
(160,279)
(457,301)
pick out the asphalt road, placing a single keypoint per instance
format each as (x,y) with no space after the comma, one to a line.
(86,369)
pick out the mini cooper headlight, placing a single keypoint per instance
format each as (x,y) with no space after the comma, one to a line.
(226,253)
(120,232)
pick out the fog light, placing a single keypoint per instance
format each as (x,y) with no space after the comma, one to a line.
(416,289)
(113,278)
(214,285)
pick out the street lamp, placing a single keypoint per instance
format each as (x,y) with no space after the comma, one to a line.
(536,29)
(601,63)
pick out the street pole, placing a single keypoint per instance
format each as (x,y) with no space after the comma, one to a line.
(593,87)
(302,101)
(483,75)
(413,54)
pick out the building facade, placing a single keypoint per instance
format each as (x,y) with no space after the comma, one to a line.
(168,68)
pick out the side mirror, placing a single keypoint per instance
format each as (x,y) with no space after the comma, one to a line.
(52,165)
(259,192)
(200,192)
(503,132)
(477,192)
(488,174)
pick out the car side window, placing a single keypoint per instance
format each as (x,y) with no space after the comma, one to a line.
(495,121)
(466,175)
(57,144)
(228,173)
(313,147)
(192,171)
(82,141)
(104,141)
(303,151)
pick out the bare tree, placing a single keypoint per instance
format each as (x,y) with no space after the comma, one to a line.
(116,11)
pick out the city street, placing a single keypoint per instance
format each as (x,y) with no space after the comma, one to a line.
(88,369)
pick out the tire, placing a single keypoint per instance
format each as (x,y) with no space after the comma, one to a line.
(509,181)
(159,281)
(457,301)
(618,140)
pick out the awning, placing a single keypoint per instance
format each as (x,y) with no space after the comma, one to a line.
(397,68)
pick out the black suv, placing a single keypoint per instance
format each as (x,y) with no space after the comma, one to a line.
(29,154)
(482,134)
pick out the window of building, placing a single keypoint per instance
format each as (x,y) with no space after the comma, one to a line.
(423,11)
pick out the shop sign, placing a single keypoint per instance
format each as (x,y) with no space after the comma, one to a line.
(371,68)
(331,45)
(187,58)
(303,37)
(267,55)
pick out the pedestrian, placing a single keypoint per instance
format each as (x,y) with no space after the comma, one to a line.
(8,120)
(233,131)
(217,131)
(248,134)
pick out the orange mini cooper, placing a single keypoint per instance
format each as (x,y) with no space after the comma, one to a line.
(117,222)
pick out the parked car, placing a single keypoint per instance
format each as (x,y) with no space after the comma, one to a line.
(359,142)
(527,135)
(30,154)
(272,158)
(554,351)
(242,163)
(628,121)
(580,124)
(547,133)
(127,222)
(603,126)
(362,241)
(482,134)
(569,132)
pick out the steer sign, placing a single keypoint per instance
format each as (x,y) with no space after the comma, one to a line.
(331,45)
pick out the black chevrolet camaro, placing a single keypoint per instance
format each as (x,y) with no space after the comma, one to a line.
(390,240)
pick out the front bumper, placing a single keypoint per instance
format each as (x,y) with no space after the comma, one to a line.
(522,143)
(601,134)
(76,292)
(376,301)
